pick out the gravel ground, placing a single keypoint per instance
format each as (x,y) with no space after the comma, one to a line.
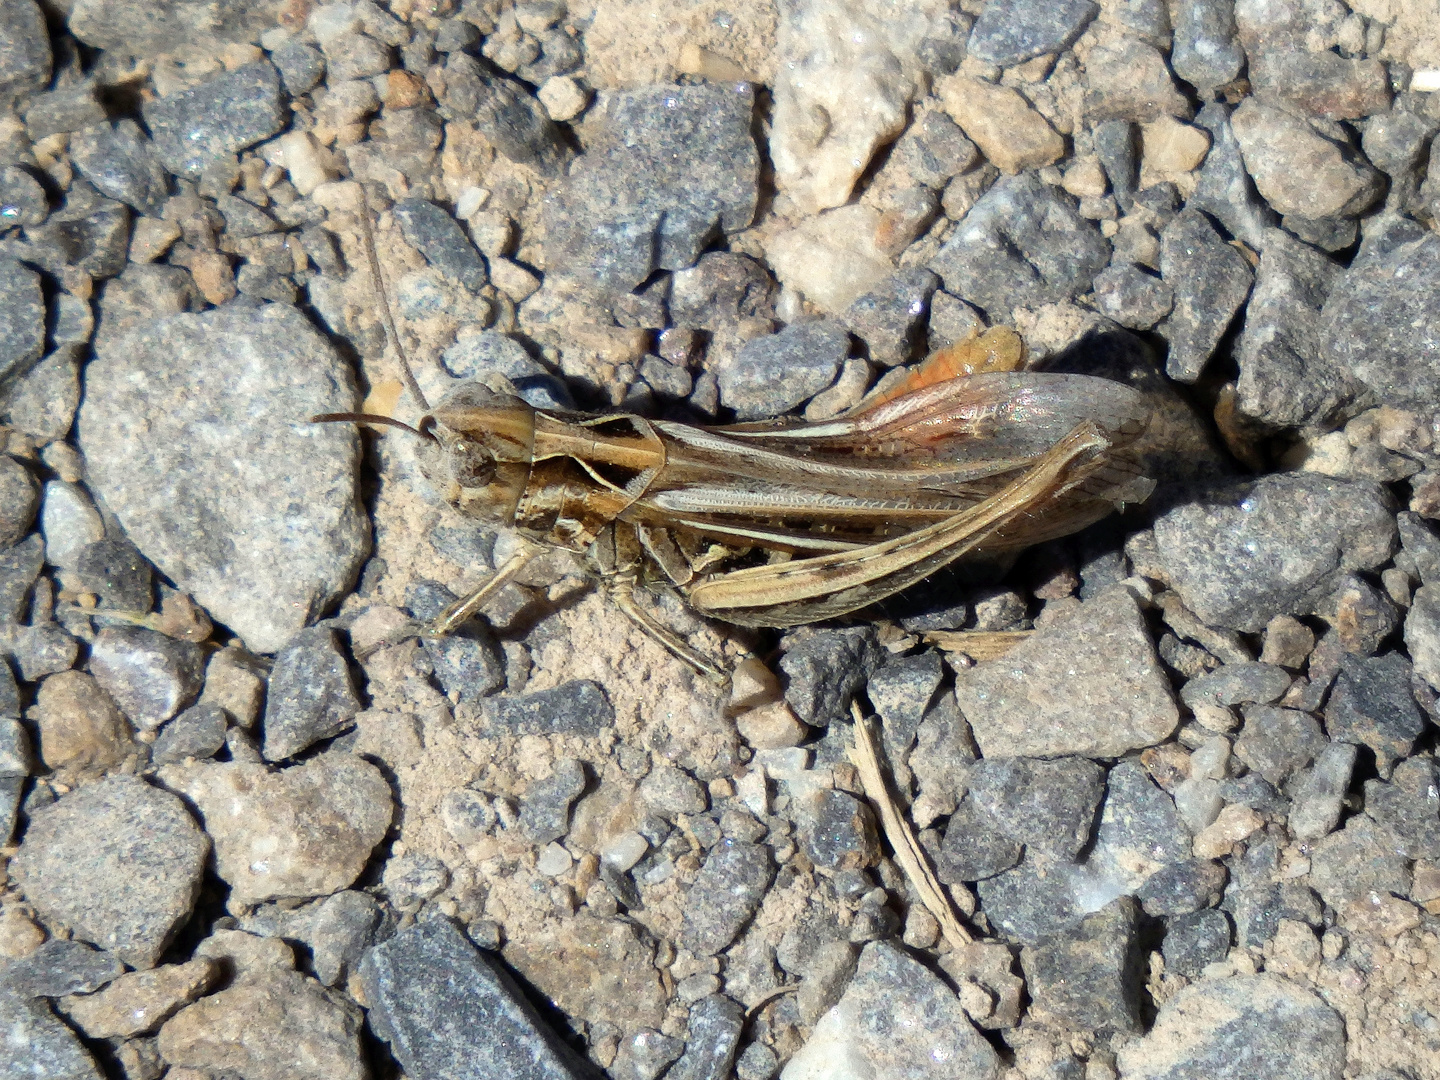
(255,830)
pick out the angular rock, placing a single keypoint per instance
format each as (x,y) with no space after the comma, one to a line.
(147,29)
(1408,808)
(1023,244)
(1223,188)
(896,1018)
(1322,83)
(579,707)
(902,691)
(1359,859)
(1036,899)
(118,575)
(505,113)
(1128,295)
(150,676)
(1010,32)
(1046,805)
(1090,978)
(1277,743)
(773,374)
(193,127)
(545,806)
(304,831)
(1182,887)
(710,1041)
(48,1048)
(22,319)
(449,1009)
(1140,834)
(838,831)
(191,435)
(1091,686)
(723,288)
(80,727)
(60,967)
(825,669)
(198,732)
(891,319)
(119,862)
(975,847)
(1210,280)
(1422,633)
(440,239)
(140,1001)
(1128,79)
(1195,940)
(724,895)
(118,160)
(1205,53)
(1241,1027)
(1298,170)
(1012,134)
(1247,551)
(1319,796)
(1242,683)
(311,696)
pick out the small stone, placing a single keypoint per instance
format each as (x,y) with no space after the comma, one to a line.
(22,318)
(1224,188)
(235,682)
(198,732)
(772,375)
(117,574)
(411,879)
(43,650)
(771,727)
(438,236)
(563,97)
(49,1047)
(891,318)
(1359,859)
(1287,642)
(1011,134)
(1245,1026)
(974,847)
(22,199)
(1194,941)
(1372,705)
(117,158)
(1183,887)
(150,676)
(119,862)
(1319,796)
(1140,832)
(312,695)
(60,967)
(545,806)
(1408,808)
(1012,31)
(1277,743)
(671,791)
(69,522)
(193,127)
(1233,824)
(15,759)
(1111,695)
(300,65)
(725,894)
(1322,83)
(1210,280)
(833,259)
(645,1055)
(254,1027)
(579,707)
(139,1002)
(1237,684)
(1127,79)
(875,1025)
(902,691)
(838,831)
(1298,170)
(711,1039)
(1089,978)
(449,1009)
(1205,53)
(756,1062)
(1125,293)
(240,376)
(19,498)
(1023,244)
(477,355)
(305,831)
(80,726)
(1048,806)
(825,669)
(1278,545)
(722,289)
(1422,633)
(1034,900)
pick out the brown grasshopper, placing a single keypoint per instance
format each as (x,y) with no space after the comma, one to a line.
(786,522)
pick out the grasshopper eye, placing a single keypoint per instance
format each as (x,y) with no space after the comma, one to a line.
(474,465)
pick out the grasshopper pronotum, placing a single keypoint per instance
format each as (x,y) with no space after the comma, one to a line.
(786,522)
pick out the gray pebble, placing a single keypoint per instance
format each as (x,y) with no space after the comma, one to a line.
(1210,280)
(150,676)
(468,665)
(901,691)
(1034,900)
(60,967)
(118,861)
(1277,743)
(22,199)
(412,878)
(1372,704)
(64,109)
(69,522)
(22,318)
(117,574)
(1237,684)
(756,1062)
(20,565)
(504,112)
(1333,233)
(1359,859)
(645,1055)
(1408,807)
(312,694)
(838,831)
(1223,188)
(1183,887)
(1140,831)
(773,374)
(43,650)
(338,930)
(300,65)
(193,127)
(1117,148)
(198,732)
(1131,297)
(42,402)
(890,319)
(666,379)
(725,894)
(88,232)
(974,847)
(671,791)
(1195,940)
(1089,978)
(15,757)
(440,239)
(51,1049)
(711,1039)
(1422,633)
(579,707)
(1047,805)
(245,377)
(1009,32)
(1300,169)
(449,1009)
(721,289)
(1023,244)
(1319,795)
(19,498)
(1422,545)
(825,669)
(11,790)
(1205,52)
(545,806)
(477,355)
(118,160)
(1251,550)
(25,62)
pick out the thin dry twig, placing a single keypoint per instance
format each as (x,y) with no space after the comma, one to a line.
(908,852)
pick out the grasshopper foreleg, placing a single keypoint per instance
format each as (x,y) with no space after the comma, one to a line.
(457,613)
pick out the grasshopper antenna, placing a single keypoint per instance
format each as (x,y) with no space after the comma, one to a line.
(421,432)
(367,235)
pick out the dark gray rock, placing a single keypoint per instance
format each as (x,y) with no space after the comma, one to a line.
(1128,295)
(645,1055)
(1408,807)
(1089,978)
(1359,859)
(25,57)
(579,707)
(19,499)
(901,692)
(43,650)
(146,29)
(891,318)
(193,127)
(1033,901)
(1243,683)
(150,676)
(1210,280)
(1048,806)
(1140,831)
(43,401)
(118,160)
(720,290)
(545,806)
(117,574)
(1278,743)
(241,375)
(838,831)
(975,847)
(756,1062)
(119,862)
(1246,1026)
(1421,544)
(1116,147)
(449,1009)
(711,1039)
(198,732)
(312,694)
(1009,32)
(668,169)
(489,352)
(1194,940)
(1223,188)
(1254,791)
(64,109)
(1023,244)
(666,379)
(825,669)
(934,149)
(1320,793)
(245,219)
(1243,552)
(88,232)
(1183,887)
(725,894)
(467,664)
(505,112)
(773,374)
(1333,233)
(300,65)
(1205,53)
(22,199)
(22,319)
(1372,704)
(440,239)
(50,1049)
(11,790)
(60,967)
(20,565)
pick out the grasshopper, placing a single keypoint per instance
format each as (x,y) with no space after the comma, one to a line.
(786,522)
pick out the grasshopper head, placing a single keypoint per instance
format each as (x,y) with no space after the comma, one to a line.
(479,451)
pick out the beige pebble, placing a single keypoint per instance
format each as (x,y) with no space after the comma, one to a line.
(1170,147)
(771,727)
(563,97)
(1234,824)
(1011,134)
